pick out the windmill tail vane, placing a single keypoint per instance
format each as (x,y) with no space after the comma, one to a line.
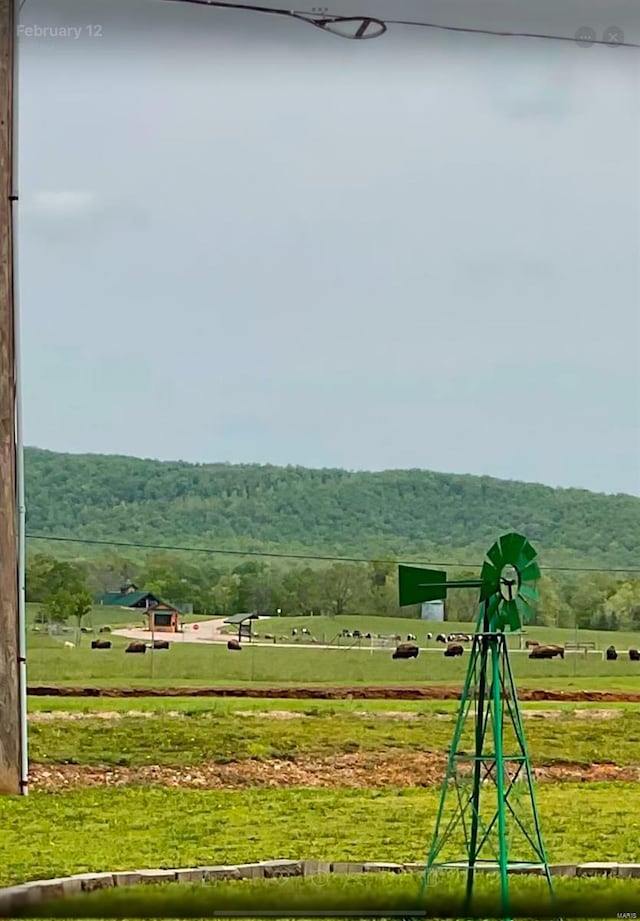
(487,813)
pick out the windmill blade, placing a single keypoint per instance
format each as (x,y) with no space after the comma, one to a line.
(524,609)
(495,555)
(511,546)
(528,592)
(531,572)
(490,580)
(527,554)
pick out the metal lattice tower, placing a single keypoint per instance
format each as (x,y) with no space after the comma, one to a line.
(488,815)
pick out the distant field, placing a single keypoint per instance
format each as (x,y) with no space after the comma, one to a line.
(188,664)
(326,629)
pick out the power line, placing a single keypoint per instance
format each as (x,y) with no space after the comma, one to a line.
(297,556)
(367,27)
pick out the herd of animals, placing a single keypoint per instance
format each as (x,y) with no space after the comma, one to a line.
(453,643)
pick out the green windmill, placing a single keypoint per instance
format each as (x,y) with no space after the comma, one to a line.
(487,815)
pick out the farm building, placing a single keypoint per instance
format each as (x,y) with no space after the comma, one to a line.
(165,616)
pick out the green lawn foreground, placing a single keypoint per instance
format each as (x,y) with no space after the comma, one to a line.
(100,829)
(222,734)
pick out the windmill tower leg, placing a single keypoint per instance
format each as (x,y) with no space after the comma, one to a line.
(499,769)
(480,655)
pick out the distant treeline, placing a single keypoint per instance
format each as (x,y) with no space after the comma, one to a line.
(410,514)
(65,588)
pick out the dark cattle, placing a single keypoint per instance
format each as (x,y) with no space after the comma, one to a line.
(368,636)
(634,655)
(546,652)
(611,653)
(105,630)
(136,647)
(406,651)
(411,638)
(356,634)
(441,638)
(454,649)
(234,644)
(100,644)
(161,644)
(294,632)
(531,644)
(429,636)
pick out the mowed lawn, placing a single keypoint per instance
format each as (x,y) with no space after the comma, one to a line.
(189,664)
(54,834)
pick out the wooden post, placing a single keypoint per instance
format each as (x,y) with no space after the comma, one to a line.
(9,680)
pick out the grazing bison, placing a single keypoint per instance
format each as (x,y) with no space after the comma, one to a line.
(546,652)
(161,644)
(406,651)
(634,655)
(611,653)
(441,638)
(136,647)
(234,644)
(101,644)
(454,649)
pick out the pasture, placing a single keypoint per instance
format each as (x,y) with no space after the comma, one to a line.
(326,629)
(50,662)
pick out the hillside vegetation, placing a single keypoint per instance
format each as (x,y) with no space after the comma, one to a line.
(401,513)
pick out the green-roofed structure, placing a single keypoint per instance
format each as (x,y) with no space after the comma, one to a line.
(165,616)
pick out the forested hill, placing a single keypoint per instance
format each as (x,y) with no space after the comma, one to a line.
(405,513)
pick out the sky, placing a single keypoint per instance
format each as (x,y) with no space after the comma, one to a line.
(242,239)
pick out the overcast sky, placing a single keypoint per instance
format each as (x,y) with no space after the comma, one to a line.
(242,239)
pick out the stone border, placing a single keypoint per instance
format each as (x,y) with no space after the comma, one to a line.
(38,891)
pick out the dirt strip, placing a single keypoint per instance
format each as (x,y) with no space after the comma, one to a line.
(360,771)
(305,692)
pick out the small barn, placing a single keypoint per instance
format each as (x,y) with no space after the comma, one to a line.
(166,618)
(243,623)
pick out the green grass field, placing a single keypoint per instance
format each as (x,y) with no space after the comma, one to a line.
(328,628)
(218,734)
(189,664)
(49,835)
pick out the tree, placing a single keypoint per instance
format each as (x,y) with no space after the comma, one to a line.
(551,609)
(344,588)
(624,605)
(61,588)
(587,596)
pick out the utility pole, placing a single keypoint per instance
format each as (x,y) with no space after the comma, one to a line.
(10,705)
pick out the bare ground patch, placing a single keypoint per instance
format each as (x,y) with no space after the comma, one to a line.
(358,770)
(400,715)
(308,692)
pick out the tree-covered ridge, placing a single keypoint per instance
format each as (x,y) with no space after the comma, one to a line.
(406,513)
